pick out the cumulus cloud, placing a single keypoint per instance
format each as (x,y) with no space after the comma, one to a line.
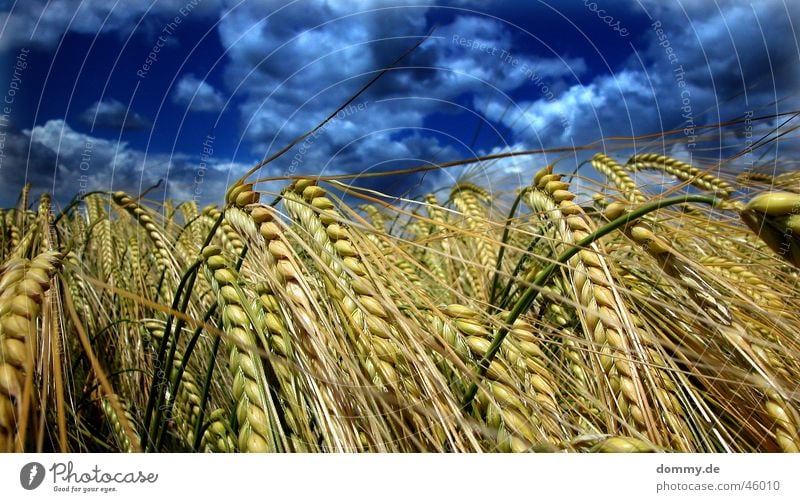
(64,162)
(198,95)
(43,22)
(114,115)
(704,66)
(618,104)
(288,65)
(738,45)
(290,68)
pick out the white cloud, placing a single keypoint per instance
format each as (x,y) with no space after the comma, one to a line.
(64,162)
(198,95)
(609,105)
(44,22)
(286,85)
(726,58)
(112,114)
(287,68)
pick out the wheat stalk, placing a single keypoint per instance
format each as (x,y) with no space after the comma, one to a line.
(259,427)
(604,317)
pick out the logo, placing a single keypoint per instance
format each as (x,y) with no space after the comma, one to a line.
(31,475)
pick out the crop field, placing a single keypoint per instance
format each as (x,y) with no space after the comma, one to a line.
(325,318)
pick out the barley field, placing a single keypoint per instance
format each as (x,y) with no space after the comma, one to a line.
(325,318)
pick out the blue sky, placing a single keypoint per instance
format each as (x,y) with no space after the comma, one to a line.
(233,81)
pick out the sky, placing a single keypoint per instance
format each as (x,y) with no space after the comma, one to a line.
(115,95)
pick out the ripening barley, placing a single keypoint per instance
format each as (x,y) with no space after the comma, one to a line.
(633,323)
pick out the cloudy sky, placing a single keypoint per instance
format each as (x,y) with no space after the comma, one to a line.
(104,94)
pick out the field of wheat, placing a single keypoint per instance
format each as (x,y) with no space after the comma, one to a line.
(327,319)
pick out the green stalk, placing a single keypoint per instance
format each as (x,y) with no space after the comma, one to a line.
(528,297)
(179,377)
(77,200)
(502,252)
(160,381)
(212,361)
(156,390)
(189,348)
(508,293)
(185,227)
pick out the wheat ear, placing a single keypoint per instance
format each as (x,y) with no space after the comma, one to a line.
(681,170)
(616,173)
(22,288)
(259,427)
(605,318)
